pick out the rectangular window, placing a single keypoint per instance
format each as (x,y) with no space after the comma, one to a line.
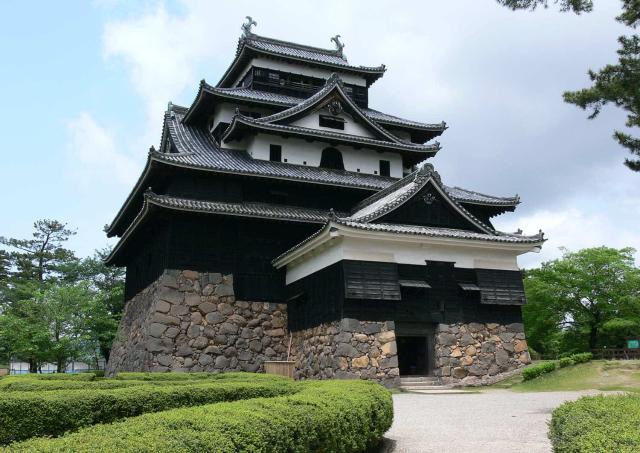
(332,122)
(385,168)
(275,153)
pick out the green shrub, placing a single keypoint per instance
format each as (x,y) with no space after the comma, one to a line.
(51,413)
(583,357)
(597,424)
(201,375)
(565,362)
(58,377)
(537,370)
(329,416)
(32,385)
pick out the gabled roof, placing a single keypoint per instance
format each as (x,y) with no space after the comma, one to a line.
(394,196)
(252,45)
(332,90)
(253,210)
(207,93)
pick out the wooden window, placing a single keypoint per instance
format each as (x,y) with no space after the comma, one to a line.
(275,153)
(332,122)
(385,168)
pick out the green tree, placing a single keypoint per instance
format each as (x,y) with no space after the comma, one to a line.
(615,84)
(43,256)
(574,298)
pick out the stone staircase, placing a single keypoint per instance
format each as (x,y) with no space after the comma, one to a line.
(426,385)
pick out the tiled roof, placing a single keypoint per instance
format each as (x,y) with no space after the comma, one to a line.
(429,150)
(289,101)
(469,196)
(300,51)
(260,210)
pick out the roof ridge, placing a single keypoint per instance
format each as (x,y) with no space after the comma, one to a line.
(295,45)
(515,198)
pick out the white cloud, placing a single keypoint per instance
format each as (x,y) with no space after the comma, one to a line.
(95,155)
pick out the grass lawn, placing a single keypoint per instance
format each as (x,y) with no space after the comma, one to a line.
(597,375)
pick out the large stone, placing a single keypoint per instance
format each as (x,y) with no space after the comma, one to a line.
(207,307)
(223,290)
(222,362)
(191,275)
(184,351)
(164,360)
(179,310)
(470,350)
(196,318)
(386,337)
(371,328)
(520,346)
(488,346)
(446,339)
(274,332)
(163,306)
(346,350)
(507,336)
(215,318)
(466,340)
(255,345)
(237,319)
(475,327)
(515,327)
(193,331)
(165,319)
(360,362)
(502,357)
(171,295)
(456,352)
(200,343)
(350,325)
(342,337)
(156,329)
(389,348)
(389,362)
(225,309)
(458,373)
(228,328)
(171,332)
(192,299)
(205,359)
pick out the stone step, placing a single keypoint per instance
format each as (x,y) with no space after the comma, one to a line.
(419,381)
(413,388)
(444,391)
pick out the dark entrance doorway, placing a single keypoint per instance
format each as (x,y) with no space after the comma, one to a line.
(412,356)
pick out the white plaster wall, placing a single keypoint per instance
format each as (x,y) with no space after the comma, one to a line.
(312,121)
(298,151)
(467,256)
(262,62)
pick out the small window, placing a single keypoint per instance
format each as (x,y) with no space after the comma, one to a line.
(385,168)
(275,153)
(332,122)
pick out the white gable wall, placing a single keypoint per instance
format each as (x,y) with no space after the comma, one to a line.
(312,121)
(298,151)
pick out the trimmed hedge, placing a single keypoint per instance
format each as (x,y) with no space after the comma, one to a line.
(336,416)
(51,413)
(535,371)
(597,424)
(195,376)
(583,357)
(25,385)
(565,362)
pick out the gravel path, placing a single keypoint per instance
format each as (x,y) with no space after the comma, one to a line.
(491,421)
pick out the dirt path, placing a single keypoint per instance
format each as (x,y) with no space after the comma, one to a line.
(491,421)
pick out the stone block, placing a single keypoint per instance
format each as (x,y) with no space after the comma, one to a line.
(350,325)
(192,299)
(200,343)
(515,327)
(502,357)
(161,318)
(389,348)
(156,329)
(171,332)
(389,362)
(227,328)
(207,307)
(274,332)
(466,340)
(196,318)
(360,362)
(215,317)
(205,359)
(222,362)
(346,350)
(520,346)
(225,309)
(164,360)
(371,328)
(191,275)
(446,339)
(386,337)
(171,295)
(193,331)
(458,373)
(224,290)
(163,306)
(179,310)
(475,327)
(506,336)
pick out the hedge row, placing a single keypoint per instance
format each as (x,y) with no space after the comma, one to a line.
(535,371)
(194,376)
(327,416)
(597,424)
(583,357)
(26,385)
(50,413)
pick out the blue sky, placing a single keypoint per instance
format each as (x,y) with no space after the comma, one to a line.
(84,85)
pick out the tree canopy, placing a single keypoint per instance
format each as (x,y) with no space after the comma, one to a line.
(585,300)
(55,307)
(617,84)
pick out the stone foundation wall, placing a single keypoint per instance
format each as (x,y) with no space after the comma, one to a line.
(477,354)
(191,321)
(347,349)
